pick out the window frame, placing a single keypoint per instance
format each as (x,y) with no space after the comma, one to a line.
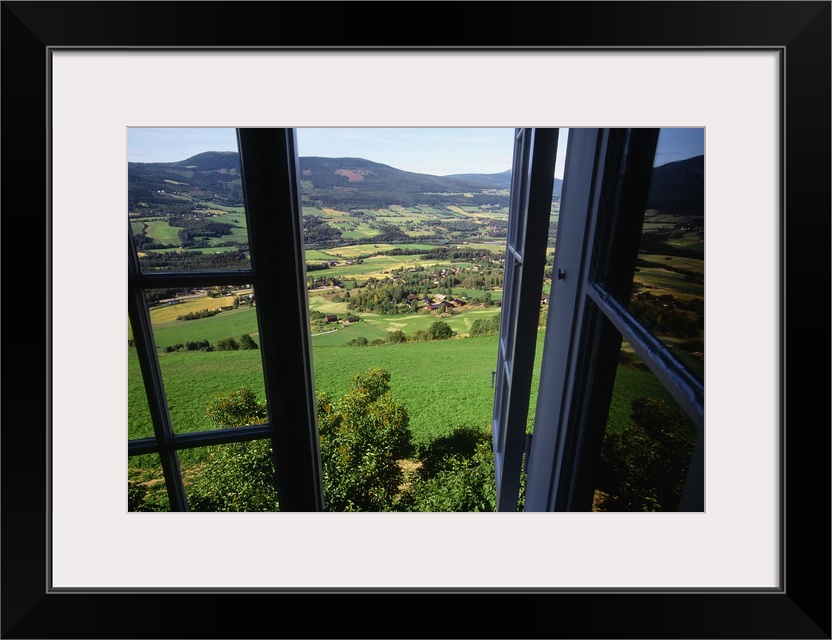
(606,181)
(605,187)
(269,162)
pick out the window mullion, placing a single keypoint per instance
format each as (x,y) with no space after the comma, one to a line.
(551,455)
(268,158)
(532,185)
(139,316)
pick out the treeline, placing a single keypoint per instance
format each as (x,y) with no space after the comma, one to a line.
(196,315)
(245,343)
(689,274)
(193,226)
(439,330)
(670,316)
(195,261)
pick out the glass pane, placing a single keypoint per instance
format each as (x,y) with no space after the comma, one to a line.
(207,343)
(668,292)
(230,477)
(185,199)
(647,446)
(146,484)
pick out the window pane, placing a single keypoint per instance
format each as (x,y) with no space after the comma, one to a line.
(207,343)
(145,484)
(647,446)
(185,199)
(405,244)
(668,292)
(230,477)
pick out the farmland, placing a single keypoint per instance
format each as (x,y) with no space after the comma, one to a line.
(379,269)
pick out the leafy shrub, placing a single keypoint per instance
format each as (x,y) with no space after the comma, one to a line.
(643,467)
(247,342)
(396,337)
(226,344)
(363,437)
(237,476)
(195,315)
(236,409)
(483,327)
(457,475)
(440,330)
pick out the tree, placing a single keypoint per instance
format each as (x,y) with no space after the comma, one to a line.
(226,344)
(363,437)
(440,330)
(247,343)
(396,336)
(237,476)
(643,467)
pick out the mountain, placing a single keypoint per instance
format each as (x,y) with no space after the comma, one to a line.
(213,175)
(501,180)
(679,187)
(341,183)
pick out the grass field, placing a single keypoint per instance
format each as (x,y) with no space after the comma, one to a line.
(664,282)
(444,384)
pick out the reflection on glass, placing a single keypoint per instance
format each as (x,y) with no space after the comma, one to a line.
(668,294)
(207,340)
(185,200)
(647,445)
(231,477)
(146,485)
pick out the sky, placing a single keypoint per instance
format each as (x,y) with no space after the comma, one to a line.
(435,151)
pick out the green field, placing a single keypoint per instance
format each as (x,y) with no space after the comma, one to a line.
(443,384)
(227,324)
(663,281)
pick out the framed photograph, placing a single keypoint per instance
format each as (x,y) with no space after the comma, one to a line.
(755,75)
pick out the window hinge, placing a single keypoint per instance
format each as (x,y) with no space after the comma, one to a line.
(527,452)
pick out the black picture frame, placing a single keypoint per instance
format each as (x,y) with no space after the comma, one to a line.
(800,31)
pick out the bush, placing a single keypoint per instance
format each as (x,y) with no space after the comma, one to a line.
(396,337)
(237,476)
(236,409)
(483,327)
(643,467)
(226,344)
(440,330)
(363,437)
(247,343)
(457,475)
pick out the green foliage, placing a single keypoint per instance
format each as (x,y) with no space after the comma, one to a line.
(396,337)
(236,409)
(247,343)
(643,466)
(196,315)
(226,344)
(363,437)
(235,477)
(456,475)
(483,327)
(440,330)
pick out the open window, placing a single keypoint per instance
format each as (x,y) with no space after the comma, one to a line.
(607,182)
